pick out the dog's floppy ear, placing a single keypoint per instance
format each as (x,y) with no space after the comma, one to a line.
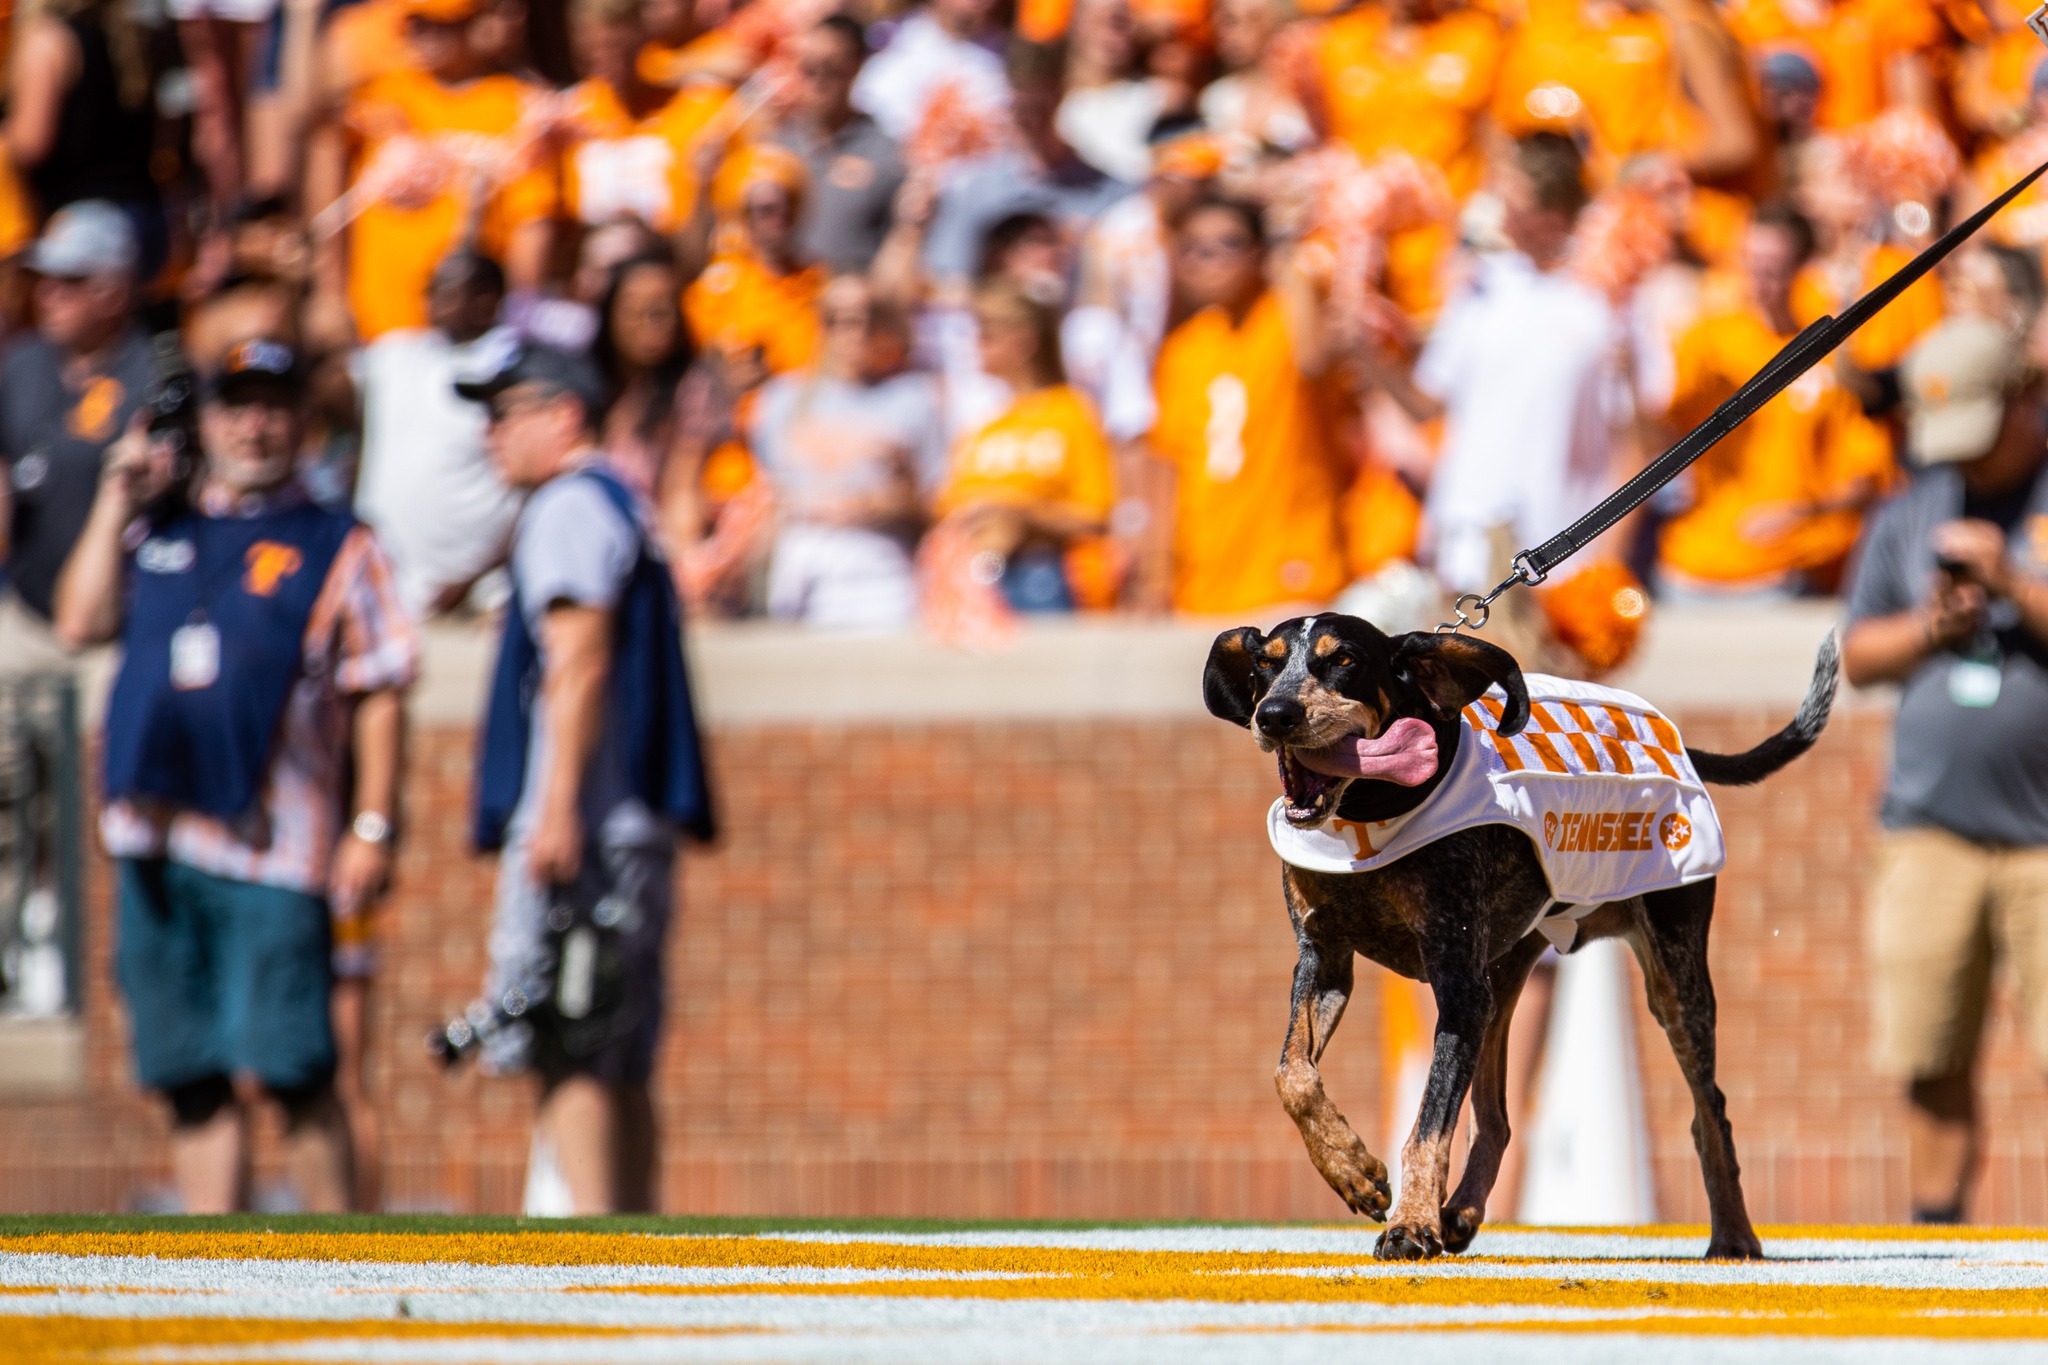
(1455,670)
(1230,682)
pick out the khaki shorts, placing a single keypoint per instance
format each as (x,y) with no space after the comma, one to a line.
(1942,910)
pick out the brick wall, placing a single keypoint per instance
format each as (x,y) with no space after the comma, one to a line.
(1040,970)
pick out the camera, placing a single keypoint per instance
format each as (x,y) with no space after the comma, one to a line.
(171,409)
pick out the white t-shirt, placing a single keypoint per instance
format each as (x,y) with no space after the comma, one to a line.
(1109,126)
(426,483)
(1531,369)
(1128,243)
(897,82)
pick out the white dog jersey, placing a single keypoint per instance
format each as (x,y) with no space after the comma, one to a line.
(1598,780)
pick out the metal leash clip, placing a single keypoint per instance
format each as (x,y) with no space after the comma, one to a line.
(1525,572)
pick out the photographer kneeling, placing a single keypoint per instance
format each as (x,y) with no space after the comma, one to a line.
(1950,600)
(590,769)
(264,653)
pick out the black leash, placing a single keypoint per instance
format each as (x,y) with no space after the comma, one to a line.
(1800,354)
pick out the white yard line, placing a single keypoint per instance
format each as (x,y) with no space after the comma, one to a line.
(995,1347)
(38,1270)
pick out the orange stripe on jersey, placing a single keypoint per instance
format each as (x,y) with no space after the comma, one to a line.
(1666,733)
(1580,744)
(1662,760)
(1627,730)
(1580,737)
(1510,752)
(1547,752)
(1491,708)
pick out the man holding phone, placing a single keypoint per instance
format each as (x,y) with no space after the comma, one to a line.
(1950,601)
(252,750)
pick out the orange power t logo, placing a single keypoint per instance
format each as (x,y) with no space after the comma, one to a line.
(269,565)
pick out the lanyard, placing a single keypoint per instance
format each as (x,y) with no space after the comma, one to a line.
(1800,354)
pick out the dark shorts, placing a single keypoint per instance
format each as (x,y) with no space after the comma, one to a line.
(620,905)
(223,978)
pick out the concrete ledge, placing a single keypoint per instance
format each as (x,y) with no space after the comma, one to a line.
(41,1058)
(756,673)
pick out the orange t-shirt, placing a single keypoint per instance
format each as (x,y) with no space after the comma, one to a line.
(1047,447)
(1850,47)
(1612,74)
(738,304)
(2024,222)
(616,165)
(1809,444)
(1422,89)
(365,41)
(1256,500)
(443,131)
(1884,340)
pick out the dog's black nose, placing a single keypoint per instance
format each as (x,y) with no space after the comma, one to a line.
(1280,716)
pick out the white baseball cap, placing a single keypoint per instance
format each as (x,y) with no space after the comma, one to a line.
(90,237)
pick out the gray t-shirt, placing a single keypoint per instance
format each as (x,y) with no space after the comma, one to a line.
(1977,771)
(53,437)
(572,547)
(855,175)
(820,440)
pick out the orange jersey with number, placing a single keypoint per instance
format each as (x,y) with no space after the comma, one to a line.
(1047,447)
(1810,444)
(616,165)
(457,138)
(738,304)
(1850,46)
(1258,486)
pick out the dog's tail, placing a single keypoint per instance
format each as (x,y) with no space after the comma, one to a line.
(1754,765)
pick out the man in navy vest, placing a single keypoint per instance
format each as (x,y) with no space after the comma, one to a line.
(590,768)
(252,746)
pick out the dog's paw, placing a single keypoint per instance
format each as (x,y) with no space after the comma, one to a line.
(1745,1248)
(1460,1227)
(1360,1180)
(1409,1242)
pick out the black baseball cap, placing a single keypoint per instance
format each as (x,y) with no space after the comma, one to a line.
(531,363)
(262,363)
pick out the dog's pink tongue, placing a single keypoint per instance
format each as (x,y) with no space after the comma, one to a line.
(1405,754)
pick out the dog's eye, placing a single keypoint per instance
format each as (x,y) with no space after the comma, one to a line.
(1341,661)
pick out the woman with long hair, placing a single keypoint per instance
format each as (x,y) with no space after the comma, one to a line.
(669,418)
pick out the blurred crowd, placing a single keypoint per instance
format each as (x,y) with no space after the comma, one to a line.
(955,312)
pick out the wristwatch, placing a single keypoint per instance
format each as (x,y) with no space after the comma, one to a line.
(371,827)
